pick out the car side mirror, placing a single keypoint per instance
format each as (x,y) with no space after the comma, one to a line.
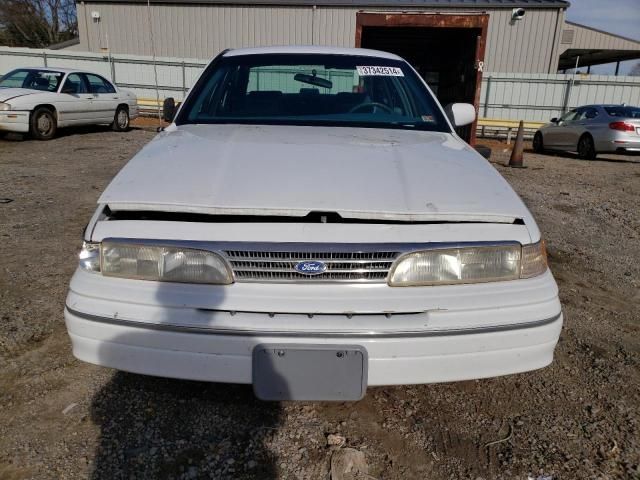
(68,89)
(554,120)
(460,114)
(168,109)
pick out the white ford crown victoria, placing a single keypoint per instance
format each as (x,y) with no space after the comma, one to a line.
(41,100)
(311,224)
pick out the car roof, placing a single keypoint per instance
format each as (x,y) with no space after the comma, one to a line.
(61,70)
(50,69)
(311,49)
(606,105)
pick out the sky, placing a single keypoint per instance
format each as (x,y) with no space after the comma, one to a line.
(621,17)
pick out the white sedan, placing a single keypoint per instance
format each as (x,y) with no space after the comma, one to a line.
(312,234)
(41,100)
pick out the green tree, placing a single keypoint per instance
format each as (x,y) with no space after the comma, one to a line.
(37,23)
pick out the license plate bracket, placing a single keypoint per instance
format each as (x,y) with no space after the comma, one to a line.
(309,372)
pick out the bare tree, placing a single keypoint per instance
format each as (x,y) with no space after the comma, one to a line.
(37,23)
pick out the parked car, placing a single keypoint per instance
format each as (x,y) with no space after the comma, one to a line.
(592,129)
(311,224)
(41,100)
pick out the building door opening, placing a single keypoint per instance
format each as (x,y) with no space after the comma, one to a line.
(446,50)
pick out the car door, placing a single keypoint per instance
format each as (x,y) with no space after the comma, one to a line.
(74,102)
(576,127)
(554,131)
(591,122)
(105,98)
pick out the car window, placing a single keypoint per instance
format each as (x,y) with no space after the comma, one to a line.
(98,84)
(585,114)
(14,79)
(590,113)
(317,89)
(33,79)
(74,84)
(623,111)
(569,116)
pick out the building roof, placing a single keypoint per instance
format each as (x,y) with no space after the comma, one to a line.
(603,32)
(482,4)
(589,46)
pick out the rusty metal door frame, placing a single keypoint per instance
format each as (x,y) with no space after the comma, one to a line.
(478,21)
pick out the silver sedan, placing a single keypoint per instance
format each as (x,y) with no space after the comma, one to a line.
(592,129)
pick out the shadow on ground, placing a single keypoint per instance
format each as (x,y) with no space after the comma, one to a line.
(161,428)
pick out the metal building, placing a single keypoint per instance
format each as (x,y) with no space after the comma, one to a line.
(202,28)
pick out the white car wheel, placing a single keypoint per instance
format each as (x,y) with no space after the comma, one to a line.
(43,124)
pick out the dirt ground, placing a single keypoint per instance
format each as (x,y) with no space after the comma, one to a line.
(63,419)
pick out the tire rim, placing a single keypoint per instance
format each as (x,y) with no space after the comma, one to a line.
(585,148)
(123,119)
(44,124)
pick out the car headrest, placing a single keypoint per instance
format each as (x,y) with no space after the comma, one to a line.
(266,95)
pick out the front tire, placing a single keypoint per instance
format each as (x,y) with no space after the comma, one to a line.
(121,120)
(538,143)
(43,124)
(586,148)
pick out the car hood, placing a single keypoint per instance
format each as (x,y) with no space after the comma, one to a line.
(362,173)
(11,93)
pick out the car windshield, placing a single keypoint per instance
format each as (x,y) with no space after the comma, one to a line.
(313,89)
(623,112)
(44,80)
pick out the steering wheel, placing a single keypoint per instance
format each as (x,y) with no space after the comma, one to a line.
(371,104)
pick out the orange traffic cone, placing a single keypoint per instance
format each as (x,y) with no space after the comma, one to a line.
(516,154)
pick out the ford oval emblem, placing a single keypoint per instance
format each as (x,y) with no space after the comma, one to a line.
(310,267)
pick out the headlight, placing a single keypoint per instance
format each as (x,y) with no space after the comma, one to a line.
(4,106)
(165,264)
(449,266)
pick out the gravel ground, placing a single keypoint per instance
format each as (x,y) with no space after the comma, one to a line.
(60,418)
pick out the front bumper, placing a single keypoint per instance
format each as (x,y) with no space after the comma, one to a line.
(396,360)
(429,334)
(14,121)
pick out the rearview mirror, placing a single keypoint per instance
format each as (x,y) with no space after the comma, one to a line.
(554,120)
(313,80)
(168,109)
(460,114)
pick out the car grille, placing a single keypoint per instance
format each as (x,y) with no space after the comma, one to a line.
(279,266)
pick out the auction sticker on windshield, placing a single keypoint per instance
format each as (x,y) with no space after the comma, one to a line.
(380,71)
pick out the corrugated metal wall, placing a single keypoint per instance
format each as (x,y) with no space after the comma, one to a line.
(526,46)
(175,75)
(540,97)
(202,31)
